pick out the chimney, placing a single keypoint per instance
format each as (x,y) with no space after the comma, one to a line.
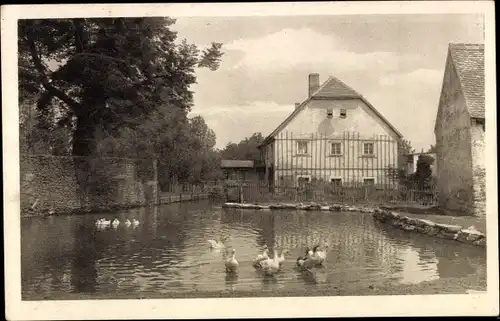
(297,105)
(313,83)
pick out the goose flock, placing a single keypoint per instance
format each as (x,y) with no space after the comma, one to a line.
(104,223)
(269,266)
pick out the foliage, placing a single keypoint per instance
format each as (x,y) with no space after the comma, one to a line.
(37,136)
(107,74)
(423,174)
(116,87)
(397,173)
(245,149)
(432,149)
(216,192)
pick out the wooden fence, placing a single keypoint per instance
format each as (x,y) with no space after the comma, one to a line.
(352,193)
(340,158)
(315,191)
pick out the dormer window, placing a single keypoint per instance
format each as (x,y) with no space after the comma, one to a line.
(343,113)
(329,113)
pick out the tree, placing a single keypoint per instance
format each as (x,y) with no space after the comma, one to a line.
(432,149)
(107,75)
(423,174)
(245,149)
(37,135)
(397,173)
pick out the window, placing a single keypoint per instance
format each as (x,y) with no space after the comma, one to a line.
(336,182)
(368,149)
(329,113)
(343,113)
(302,147)
(335,148)
(368,181)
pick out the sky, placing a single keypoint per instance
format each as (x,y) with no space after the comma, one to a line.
(395,61)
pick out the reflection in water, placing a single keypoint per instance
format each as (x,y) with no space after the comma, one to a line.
(168,252)
(414,270)
(84,273)
(308,277)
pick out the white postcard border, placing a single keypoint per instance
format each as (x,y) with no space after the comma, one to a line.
(409,305)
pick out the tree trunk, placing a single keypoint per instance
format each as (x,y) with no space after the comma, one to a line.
(84,145)
(83,137)
(88,120)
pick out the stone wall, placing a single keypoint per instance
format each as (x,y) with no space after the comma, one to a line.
(55,184)
(445,231)
(453,145)
(478,166)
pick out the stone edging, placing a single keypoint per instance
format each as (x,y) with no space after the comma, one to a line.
(446,231)
(302,207)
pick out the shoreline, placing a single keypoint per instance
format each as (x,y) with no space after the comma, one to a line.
(441,230)
(164,200)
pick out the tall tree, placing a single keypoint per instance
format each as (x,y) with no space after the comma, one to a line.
(107,74)
(423,174)
(245,149)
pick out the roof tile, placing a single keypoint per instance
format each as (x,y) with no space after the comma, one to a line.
(468,60)
(334,88)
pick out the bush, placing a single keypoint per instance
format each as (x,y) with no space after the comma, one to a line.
(216,192)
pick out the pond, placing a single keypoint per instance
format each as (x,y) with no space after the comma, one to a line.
(167,254)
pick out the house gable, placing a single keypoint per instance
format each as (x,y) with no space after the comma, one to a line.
(465,67)
(448,73)
(334,90)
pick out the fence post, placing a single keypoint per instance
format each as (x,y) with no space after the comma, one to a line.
(240,187)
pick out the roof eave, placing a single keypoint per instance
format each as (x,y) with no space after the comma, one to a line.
(345,97)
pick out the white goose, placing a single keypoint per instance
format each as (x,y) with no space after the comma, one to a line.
(215,244)
(319,256)
(127,222)
(135,222)
(281,257)
(102,222)
(261,257)
(115,223)
(232,263)
(270,266)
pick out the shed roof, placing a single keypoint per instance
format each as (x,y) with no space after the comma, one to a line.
(232,163)
(468,60)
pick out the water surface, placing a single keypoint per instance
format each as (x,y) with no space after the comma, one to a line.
(168,253)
